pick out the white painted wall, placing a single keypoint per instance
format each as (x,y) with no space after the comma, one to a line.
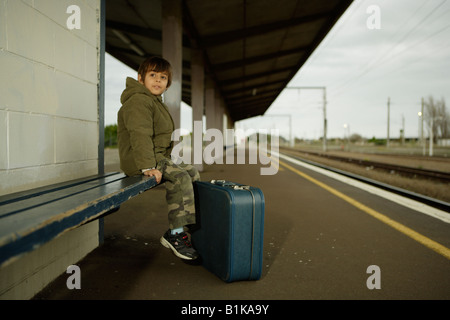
(48,93)
(25,277)
(48,121)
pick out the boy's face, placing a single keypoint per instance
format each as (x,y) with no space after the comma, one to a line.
(154,81)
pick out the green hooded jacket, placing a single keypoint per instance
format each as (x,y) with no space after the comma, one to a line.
(144,129)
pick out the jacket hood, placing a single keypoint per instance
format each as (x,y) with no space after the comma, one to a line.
(135,87)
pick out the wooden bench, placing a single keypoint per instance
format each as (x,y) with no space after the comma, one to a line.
(31,218)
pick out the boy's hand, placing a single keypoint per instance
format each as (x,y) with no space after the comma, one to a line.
(154,173)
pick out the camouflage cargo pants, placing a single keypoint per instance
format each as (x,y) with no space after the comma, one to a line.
(179,191)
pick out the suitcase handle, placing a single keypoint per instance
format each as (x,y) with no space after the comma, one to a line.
(219,182)
(232,185)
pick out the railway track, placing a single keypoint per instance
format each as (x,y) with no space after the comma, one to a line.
(431,175)
(392,168)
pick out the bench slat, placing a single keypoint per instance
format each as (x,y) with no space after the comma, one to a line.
(23,231)
(56,195)
(22,195)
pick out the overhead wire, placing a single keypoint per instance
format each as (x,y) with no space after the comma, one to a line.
(381,59)
(425,39)
(333,33)
(400,41)
(329,39)
(339,89)
(422,57)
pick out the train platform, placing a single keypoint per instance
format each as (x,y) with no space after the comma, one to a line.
(325,238)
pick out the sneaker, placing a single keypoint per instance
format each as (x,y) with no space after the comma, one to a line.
(180,245)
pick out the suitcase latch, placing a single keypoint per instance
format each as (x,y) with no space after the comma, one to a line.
(240,187)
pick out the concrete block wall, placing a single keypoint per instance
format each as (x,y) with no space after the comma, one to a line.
(27,276)
(48,93)
(48,121)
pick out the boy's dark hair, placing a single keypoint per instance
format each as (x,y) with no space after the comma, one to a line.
(156,64)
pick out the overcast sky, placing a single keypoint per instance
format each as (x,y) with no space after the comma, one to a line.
(361,66)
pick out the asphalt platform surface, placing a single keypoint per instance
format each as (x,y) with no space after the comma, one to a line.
(316,247)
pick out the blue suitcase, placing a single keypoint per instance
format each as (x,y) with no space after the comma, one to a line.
(229,229)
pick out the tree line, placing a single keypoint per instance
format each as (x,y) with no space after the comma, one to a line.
(111,136)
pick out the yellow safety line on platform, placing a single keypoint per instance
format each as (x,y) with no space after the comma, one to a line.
(433,245)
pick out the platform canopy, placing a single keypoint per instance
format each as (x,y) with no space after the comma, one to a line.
(251,48)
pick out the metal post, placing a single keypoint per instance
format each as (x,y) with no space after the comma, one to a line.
(431,136)
(403,130)
(388,120)
(101,91)
(291,135)
(324,112)
(324,119)
(101,107)
(289,116)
